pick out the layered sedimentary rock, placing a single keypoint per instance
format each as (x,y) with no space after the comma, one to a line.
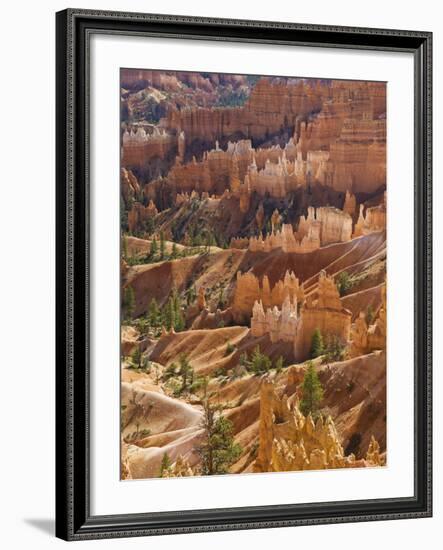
(140,147)
(326,314)
(357,160)
(129,185)
(374,219)
(335,224)
(350,204)
(287,239)
(138,215)
(320,227)
(250,289)
(278,324)
(367,338)
(338,138)
(172,81)
(289,441)
(218,171)
(270,107)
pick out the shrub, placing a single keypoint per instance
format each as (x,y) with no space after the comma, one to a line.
(344,282)
(370,315)
(317,346)
(279,364)
(335,349)
(230,348)
(260,362)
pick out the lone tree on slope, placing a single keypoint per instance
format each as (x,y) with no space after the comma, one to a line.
(312,391)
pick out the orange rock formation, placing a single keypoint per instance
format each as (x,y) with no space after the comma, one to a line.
(364,338)
(270,106)
(343,146)
(289,441)
(373,220)
(320,227)
(249,290)
(139,214)
(325,314)
(139,147)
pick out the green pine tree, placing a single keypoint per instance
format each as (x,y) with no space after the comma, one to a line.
(165,464)
(149,225)
(137,357)
(344,282)
(221,299)
(153,249)
(317,346)
(260,362)
(191,295)
(312,391)
(129,302)
(169,314)
(218,450)
(279,364)
(125,248)
(186,372)
(162,245)
(154,313)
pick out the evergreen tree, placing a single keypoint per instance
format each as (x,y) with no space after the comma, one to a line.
(221,299)
(244,360)
(334,349)
(186,372)
(191,295)
(169,314)
(343,282)
(153,249)
(312,391)
(154,313)
(260,362)
(129,301)
(125,248)
(279,364)
(149,225)
(165,464)
(218,450)
(179,322)
(162,245)
(169,372)
(317,346)
(137,357)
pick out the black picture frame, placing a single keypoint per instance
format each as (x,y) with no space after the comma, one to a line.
(74,28)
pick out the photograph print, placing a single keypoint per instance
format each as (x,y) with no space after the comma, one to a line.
(253,274)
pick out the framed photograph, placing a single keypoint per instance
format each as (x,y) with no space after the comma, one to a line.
(243,274)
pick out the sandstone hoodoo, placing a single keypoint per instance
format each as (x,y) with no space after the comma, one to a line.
(253,274)
(326,314)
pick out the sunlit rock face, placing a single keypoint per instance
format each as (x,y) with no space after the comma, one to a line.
(284,323)
(139,146)
(374,219)
(270,107)
(325,314)
(249,289)
(366,337)
(290,441)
